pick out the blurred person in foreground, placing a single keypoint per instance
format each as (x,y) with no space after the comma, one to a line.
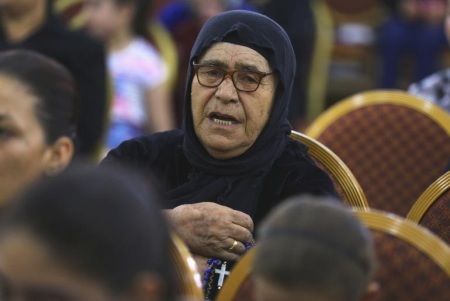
(32,25)
(86,234)
(37,120)
(312,249)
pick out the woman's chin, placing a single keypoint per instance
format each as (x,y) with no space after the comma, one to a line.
(222,147)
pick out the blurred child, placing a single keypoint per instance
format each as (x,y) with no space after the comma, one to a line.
(141,101)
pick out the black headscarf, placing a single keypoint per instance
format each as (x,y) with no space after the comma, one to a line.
(236,182)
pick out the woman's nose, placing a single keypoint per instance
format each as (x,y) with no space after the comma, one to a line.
(226,91)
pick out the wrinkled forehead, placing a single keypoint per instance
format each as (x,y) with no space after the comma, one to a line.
(232,56)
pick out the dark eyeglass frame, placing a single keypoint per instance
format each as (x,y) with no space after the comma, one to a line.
(260,75)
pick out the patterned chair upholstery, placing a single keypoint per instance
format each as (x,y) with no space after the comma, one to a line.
(186,277)
(344,182)
(414,264)
(395,144)
(432,209)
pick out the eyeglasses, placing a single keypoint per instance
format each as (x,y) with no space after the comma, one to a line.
(212,76)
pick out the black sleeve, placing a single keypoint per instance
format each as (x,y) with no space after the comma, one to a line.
(146,153)
(129,153)
(317,182)
(293,176)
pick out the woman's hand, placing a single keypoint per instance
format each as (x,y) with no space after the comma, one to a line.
(210,229)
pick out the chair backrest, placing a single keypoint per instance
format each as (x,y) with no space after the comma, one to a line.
(186,277)
(432,209)
(414,264)
(239,284)
(344,182)
(395,144)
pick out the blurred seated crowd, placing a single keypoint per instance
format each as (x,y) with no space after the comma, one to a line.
(127,123)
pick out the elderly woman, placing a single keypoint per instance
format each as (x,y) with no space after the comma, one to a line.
(37,120)
(233,160)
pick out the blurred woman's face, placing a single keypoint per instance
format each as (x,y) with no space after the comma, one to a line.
(24,155)
(104,18)
(29,272)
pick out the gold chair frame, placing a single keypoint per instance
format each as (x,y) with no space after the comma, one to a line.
(410,232)
(337,167)
(185,270)
(378,97)
(428,197)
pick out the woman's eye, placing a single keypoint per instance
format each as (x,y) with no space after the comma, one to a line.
(249,77)
(214,72)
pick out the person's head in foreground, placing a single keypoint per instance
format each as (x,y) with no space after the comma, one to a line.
(37,119)
(85,235)
(313,250)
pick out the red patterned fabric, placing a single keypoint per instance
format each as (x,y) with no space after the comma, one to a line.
(437,217)
(407,274)
(339,189)
(394,152)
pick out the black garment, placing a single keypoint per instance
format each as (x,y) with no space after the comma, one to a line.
(161,156)
(85,59)
(297,19)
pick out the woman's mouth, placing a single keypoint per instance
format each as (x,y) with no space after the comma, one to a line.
(222,119)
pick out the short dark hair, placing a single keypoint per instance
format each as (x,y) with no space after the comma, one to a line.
(104,223)
(314,244)
(52,85)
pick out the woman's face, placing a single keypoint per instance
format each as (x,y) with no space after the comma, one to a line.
(29,272)
(24,154)
(214,108)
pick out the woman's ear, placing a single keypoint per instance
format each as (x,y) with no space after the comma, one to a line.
(372,292)
(58,155)
(148,287)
